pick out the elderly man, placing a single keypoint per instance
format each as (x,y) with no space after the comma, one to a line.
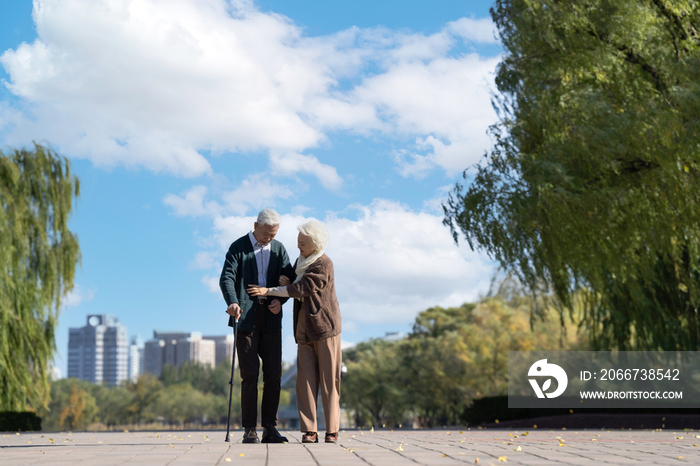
(257,259)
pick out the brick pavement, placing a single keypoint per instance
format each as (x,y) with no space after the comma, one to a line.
(356,448)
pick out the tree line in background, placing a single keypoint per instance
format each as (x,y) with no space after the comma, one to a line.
(190,395)
(451,357)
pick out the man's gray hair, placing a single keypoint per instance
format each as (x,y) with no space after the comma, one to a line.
(317,232)
(269,217)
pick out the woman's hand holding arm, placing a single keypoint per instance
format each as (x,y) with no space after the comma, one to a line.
(255,290)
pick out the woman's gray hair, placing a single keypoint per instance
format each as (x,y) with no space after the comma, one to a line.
(269,217)
(317,232)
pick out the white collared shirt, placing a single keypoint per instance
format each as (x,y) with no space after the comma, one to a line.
(262,258)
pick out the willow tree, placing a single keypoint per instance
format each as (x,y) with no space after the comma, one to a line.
(38,255)
(592,187)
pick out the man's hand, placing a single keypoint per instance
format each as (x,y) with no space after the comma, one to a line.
(275,306)
(234,310)
(285,281)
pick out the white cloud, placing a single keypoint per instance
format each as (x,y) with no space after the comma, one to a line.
(390,262)
(445,100)
(76,296)
(292,163)
(476,30)
(153,83)
(410,164)
(205,260)
(255,192)
(193,203)
(212,284)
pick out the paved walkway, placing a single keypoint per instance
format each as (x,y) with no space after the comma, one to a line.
(361,448)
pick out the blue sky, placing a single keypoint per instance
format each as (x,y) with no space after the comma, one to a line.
(183,118)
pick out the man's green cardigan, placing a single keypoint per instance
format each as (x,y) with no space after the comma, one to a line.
(241,269)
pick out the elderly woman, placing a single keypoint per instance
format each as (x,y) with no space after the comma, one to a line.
(316,331)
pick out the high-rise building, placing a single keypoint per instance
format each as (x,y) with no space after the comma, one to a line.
(224,347)
(98,352)
(175,348)
(135,358)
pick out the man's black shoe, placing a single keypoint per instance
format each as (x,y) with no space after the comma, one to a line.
(251,436)
(270,435)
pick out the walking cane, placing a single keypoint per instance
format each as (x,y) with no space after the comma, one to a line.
(230,382)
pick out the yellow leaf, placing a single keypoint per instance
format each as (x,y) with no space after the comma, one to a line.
(444,456)
(502,459)
(518,449)
(228,460)
(241,454)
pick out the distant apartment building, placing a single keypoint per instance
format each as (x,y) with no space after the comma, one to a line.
(99,351)
(176,348)
(224,347)
(135,358)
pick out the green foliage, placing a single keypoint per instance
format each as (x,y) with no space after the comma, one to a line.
(72,406)
(190,394)
(200,376)
(38,255)
(592,189)
(146,390)
(452,356)
(114,404)
(372,387)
